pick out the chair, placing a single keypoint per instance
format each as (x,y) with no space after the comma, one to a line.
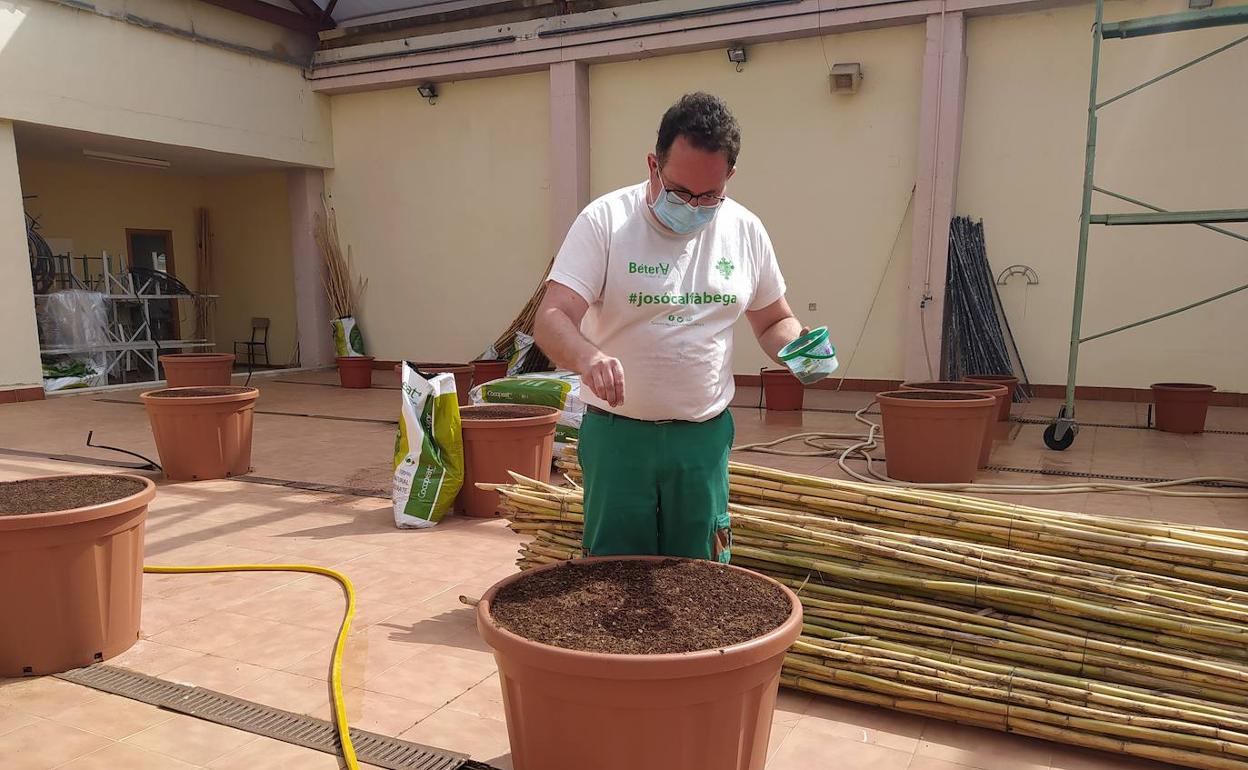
(259,328)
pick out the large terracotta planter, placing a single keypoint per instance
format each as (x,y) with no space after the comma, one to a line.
(1181,407)
(71,584)
(202,433)
(573,710)
(1000,392)
(355,371)
(1008,380)
(487,370)
(183,370)
(934,436)
(782,392)
(499,438)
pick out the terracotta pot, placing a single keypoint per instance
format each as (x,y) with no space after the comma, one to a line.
(522,442)
(1008,380)
(183,370)
(355,371)
(1181,407)
(934,436)
(487,370)
(782,392)
(463,376)
(71,584)
(573,710)
(1000,392)
(206,435)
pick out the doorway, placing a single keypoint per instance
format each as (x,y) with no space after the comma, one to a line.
(153,250)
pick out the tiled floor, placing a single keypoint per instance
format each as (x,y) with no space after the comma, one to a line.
(415,667)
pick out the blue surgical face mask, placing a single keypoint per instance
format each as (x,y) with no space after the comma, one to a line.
(679,217)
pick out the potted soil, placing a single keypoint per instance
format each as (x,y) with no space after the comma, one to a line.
(1008,380)
(499,438)
(782,391)
(621,663)
(202,433)
(71,564)
(934,436)
(183,370)
(487,370)
(1181,407)
(999,392)
(355,371)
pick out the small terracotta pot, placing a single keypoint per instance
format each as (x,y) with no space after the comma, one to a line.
(183,370)
(782,392)
(487,370)
(573,710)
(999,392)
(462,372)
(493,446)
(202,436)
(1008,380)
(1181,407)
(355,371)
(72,584)
(934,436)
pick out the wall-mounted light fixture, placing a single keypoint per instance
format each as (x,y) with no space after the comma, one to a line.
(736,55)
(845,78)
(428,91)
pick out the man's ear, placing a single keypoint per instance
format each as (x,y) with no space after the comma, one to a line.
(732,171)
(652,161)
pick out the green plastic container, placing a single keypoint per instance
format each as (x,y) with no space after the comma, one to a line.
(810,357)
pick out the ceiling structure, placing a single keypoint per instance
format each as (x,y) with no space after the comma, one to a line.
(315,16)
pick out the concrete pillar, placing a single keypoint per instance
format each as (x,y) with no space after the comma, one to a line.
(569,146)
(21,373)
(305,187)
(940,139)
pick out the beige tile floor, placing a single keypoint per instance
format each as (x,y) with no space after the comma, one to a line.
(415,667)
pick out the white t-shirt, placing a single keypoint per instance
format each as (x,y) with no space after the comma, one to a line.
(665,304)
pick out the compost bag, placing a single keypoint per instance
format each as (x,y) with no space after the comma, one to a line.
(428,450)
(562,390)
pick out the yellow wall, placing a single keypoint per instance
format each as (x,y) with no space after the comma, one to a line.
(93,204)
(446,210)
(1178,144)
(19,359)
(829,175)
(75,69)
(250,223)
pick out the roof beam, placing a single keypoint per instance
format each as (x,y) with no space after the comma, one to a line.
(270,13)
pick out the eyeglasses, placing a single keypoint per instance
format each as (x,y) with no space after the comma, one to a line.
(707,201)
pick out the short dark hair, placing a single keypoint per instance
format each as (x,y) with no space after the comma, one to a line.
(705,122)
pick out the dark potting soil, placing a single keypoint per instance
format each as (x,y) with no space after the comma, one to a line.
(504,412)
(209,390)
(63,492)
(636,607)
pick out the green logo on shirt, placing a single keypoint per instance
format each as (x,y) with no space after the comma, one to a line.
(724,267)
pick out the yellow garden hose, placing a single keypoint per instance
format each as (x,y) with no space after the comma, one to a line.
(335,672)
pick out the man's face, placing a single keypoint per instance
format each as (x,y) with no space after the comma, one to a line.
(689,170)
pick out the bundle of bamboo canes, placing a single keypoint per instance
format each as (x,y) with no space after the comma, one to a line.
(536,360)
(342,287)
(1119,634)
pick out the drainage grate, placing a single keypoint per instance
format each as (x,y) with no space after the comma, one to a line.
(1105,476)
(298,729)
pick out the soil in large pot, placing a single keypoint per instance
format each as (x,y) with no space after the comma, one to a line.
(71,570)
(640,607)
(619,663)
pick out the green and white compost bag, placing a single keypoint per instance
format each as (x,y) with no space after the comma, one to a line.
(428,450)
(348,340)
(561,390)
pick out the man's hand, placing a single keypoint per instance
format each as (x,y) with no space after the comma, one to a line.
(605,377)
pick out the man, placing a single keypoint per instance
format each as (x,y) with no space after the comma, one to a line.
(641,303)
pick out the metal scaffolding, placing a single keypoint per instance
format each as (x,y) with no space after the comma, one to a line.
(1061,433)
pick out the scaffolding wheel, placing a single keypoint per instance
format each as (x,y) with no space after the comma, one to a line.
(1060,434)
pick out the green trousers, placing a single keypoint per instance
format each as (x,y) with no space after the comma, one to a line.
(656,488)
